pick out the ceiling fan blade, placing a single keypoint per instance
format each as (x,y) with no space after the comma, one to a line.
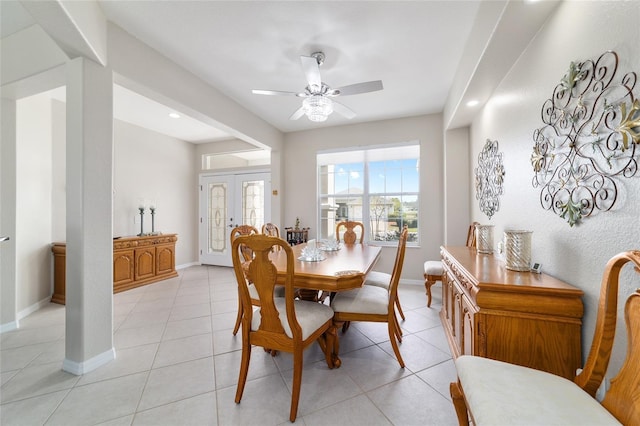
(299,113)
(343,110)
(311,71)
(354,89)
(274,92)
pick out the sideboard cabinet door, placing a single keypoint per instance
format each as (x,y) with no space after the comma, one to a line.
(145,262)
(165,259)
(123,267)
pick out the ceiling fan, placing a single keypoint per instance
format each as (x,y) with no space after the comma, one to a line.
(318,101)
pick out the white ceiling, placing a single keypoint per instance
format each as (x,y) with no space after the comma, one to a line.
(414,47)
(236,46)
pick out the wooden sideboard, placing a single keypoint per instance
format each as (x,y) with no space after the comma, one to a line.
(519,317)
(136,261)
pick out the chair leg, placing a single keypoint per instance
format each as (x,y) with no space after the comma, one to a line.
(297,381)
(244,366)
(394,343)
(397,328)
(427,284)
(399,308)
(239,318)
(459,404)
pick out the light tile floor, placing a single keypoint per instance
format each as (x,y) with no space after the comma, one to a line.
(177,364)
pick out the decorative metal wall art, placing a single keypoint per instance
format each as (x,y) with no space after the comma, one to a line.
(589,139)
(489,178)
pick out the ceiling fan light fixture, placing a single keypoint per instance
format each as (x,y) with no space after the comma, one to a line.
(317,107)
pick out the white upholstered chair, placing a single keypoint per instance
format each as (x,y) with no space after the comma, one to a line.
(350,235)
(278,323)
(246,256)
(497,393)
(383,279)
(372,303)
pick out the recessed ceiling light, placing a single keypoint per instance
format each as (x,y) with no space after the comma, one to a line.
(473,103)
(174,115)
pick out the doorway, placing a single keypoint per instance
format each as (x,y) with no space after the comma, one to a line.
(227,201)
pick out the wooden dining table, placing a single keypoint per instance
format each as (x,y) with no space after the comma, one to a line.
(343,269)
(340,270)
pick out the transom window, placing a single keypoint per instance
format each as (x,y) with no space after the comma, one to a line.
(378,187)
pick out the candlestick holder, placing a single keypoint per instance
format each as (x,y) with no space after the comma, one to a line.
(153,221)
(141,234)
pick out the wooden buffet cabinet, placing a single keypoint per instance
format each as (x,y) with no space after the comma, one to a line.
(519,317)
(136,261)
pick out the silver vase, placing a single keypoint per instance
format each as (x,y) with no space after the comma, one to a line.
(517,249)
(484,238)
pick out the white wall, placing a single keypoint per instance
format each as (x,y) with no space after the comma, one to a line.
(157,168)
(33,201)
(456,189)
(300,177)
(58,175)
(577,31)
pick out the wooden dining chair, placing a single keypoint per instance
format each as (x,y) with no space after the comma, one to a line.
(247,255)
(383,279)
(279,323)
(271,230)
(351,231)
(433,269)
(374,304)
(498,393)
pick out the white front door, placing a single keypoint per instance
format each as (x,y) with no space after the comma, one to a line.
(227,201)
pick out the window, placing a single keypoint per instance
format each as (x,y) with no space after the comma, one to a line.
(378,187)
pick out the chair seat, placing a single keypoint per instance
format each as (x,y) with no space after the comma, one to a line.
(499,393)
(311,316)
(368,299)
(433,267)
(378,279)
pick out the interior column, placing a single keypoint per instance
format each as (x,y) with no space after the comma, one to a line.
(89,269)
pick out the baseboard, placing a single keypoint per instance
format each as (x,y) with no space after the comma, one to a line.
(187,265)
(411,282)
(31,309)
(80,368)
(10,326)
(14,325)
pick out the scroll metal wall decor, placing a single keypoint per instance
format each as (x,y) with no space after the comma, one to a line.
(589,141)
(489,178)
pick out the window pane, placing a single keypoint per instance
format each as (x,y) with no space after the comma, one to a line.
(253,203)
(410,176)
(349,178)
(217,217)
(334,209)
(389,213)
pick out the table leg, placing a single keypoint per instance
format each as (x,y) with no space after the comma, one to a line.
(333,331)
(326,344)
